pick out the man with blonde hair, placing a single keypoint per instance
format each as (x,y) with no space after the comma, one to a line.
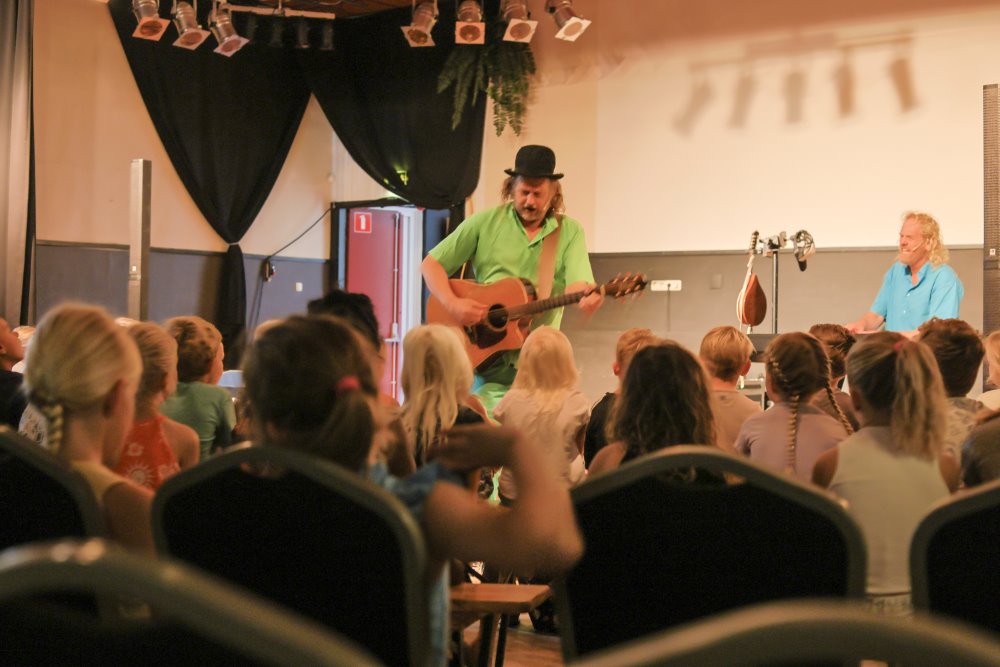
(725,353)
(629,342)
(919,285)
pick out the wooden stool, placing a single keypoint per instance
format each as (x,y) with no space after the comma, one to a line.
(487,602)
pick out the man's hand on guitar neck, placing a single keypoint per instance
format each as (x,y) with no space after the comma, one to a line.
(590,303)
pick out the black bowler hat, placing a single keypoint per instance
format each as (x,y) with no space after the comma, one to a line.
(534,162)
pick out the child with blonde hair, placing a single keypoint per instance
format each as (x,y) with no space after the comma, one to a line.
(82,378)
(725,351)
(198,401)
(156,446)
(991,346)
(629,342)
(437,384)
(544,404)
(792,434)
(309,387)
(893,469)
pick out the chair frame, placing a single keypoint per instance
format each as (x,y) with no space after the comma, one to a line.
(239,620)
(808,631)
(941,514)
(713,460)
(344,482)
(14,444)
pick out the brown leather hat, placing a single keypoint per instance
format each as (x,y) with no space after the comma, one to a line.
(534,162)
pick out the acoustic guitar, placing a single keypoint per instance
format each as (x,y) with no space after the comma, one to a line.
(512,304)
(751,304)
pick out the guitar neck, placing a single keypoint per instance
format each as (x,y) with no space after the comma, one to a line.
(535,307)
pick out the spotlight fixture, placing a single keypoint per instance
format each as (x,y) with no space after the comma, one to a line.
(520,27)
(220,22)
(277,33)
(301,34)
(147,13)
(418,33)
(570,24)
(469,28)
(189,32)
(326,43)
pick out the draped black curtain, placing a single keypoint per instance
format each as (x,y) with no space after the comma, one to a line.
(227,123)
(380,95)
(226,126)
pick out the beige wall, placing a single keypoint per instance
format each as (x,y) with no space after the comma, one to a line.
(90,124)
(609,105)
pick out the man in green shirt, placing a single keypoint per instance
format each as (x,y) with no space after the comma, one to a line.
(506,241)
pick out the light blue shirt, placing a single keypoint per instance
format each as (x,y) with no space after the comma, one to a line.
(906,306)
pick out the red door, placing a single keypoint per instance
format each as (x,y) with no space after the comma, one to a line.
(374,242)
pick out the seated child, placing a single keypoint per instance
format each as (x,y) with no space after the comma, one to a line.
(725,352)
(199,402)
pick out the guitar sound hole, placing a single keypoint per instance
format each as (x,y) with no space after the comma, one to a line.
(497,318)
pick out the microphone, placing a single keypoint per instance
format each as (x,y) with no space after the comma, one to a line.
(805,247)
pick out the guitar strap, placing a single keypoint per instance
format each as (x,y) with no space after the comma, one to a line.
(547,265)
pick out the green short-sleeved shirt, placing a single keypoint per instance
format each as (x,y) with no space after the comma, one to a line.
(499,248)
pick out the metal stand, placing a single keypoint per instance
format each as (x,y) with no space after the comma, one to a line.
(774,291)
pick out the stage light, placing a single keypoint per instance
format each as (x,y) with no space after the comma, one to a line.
(569,23)
(469,28)
(327,37)
(301,34)
(189,32)
(220,22)
(520,27)
(418,33)
(277,33)
(147,13)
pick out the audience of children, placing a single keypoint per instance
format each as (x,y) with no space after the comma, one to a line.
(725,352)
(545,404)
(892,470)
(437,384)
(794,433)
(595,438)
(82,378)
(665,401)
(156,446)
(959,353)
(310,387)
(311,384)
(12,400)
(837,341)
(198,401)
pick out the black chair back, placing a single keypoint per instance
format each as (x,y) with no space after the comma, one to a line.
(197,619)
(666,546)
(954,558)
(308,534)
(40,497)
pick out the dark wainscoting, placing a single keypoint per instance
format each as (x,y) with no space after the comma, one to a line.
(839,285)
(180,282)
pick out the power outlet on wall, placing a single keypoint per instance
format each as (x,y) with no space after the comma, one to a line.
(665,286)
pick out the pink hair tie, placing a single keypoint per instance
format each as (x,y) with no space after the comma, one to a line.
(347,383)
(899,344)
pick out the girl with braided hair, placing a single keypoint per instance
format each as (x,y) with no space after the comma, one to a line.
(792,434)
(892,470)
(837,341)
(83,376)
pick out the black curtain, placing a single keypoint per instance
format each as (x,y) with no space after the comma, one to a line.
(227,125)
(380,95)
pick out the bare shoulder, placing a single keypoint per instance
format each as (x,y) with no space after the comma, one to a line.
(826,466)
(608,458)
(183,440)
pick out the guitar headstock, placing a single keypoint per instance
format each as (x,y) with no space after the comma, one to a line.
(625,284)
(753,242)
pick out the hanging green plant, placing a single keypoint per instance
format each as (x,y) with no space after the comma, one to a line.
(499,69)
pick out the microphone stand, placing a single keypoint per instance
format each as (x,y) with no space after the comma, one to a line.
(772,246)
